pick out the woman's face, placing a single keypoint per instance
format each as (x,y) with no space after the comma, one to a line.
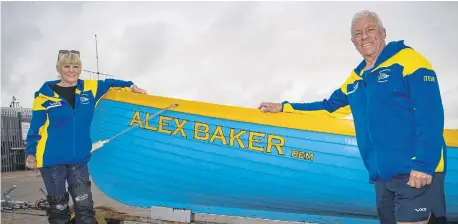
(70,73)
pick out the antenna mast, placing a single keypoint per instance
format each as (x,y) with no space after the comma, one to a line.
(15,103)
(97,58)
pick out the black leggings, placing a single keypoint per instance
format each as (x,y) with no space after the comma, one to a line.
(55,177)
(79,186)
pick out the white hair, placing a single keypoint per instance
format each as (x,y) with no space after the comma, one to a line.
(365,13)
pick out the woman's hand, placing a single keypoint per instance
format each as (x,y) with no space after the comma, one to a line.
(31,162)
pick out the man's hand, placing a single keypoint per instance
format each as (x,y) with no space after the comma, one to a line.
(418,179)
(135,89)
(31,163)
(270,107)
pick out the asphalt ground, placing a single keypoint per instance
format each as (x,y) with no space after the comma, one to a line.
(28,184)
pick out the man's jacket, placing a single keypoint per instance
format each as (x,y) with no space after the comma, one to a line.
(58,133)
(397,111)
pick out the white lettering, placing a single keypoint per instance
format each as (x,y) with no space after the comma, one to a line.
(420,209)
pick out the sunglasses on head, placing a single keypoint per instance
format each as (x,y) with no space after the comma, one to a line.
(61,52)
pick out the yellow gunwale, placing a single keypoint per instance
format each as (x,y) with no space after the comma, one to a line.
(311,121)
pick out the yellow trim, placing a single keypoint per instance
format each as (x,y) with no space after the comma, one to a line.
(128,89)
(345,111)
(287,108)
(340,113)
(113,88)
(301,121)
(91,85)
(38,104)
(409,59)
(41,146)
(40,99)
(350,80)
(440,166)
(451,137)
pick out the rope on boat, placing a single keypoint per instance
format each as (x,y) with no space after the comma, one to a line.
(99,144)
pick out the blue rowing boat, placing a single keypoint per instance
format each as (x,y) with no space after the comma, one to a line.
(227,160)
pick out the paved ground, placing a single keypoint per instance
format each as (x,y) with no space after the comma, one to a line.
(28,184)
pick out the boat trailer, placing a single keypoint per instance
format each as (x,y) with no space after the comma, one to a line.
(104,214)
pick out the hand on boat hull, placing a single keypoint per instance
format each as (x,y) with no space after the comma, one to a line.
(270,107)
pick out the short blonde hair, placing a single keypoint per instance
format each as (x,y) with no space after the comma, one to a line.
(68,59)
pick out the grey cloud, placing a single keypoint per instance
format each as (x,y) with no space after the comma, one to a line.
(237,53)
(24,34)
(152,38)
(25,27)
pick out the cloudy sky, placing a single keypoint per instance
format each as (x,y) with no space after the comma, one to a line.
(236,53)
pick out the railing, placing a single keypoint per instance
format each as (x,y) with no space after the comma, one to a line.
(15,124)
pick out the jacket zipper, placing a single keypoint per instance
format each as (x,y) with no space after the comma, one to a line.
(366,80)
(74,130)
(375,150)
(74,127)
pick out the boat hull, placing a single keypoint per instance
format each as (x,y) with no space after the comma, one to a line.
(236,161)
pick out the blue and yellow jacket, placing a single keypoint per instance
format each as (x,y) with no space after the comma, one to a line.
(58,133)
(397,111)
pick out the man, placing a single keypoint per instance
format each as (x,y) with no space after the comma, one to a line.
(394,97)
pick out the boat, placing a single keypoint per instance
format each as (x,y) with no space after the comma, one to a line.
(234,161)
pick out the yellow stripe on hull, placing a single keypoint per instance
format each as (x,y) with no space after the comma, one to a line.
(440,166)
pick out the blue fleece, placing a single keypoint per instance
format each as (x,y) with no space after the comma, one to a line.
(397,110)
(58,133)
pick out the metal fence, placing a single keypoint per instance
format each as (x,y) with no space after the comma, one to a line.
(15,124)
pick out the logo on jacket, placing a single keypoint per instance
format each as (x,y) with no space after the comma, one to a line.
(50,104)
(383,75)
(355,87)
(84,99)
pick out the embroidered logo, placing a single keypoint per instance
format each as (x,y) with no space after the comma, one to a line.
(355,87)
(50,104)
(383,75)
(84,99)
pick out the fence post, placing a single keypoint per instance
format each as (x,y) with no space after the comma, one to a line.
(21,160)
(13,143)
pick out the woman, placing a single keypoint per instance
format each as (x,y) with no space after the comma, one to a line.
(59,143)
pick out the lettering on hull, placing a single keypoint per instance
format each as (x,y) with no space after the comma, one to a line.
(256,141)
(302,155)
